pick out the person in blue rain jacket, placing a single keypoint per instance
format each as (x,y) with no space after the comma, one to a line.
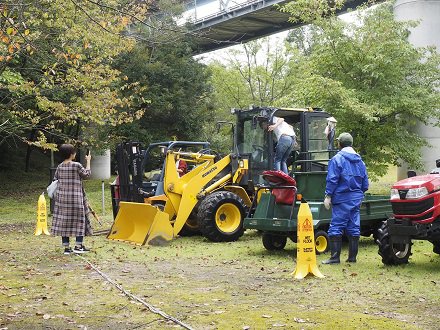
(346,183)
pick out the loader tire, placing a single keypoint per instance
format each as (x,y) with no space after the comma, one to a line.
(392,253)
(190,228)
(220,217)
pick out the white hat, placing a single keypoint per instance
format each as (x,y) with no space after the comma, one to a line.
(332,119)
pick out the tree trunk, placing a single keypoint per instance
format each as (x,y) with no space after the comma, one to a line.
(29,150)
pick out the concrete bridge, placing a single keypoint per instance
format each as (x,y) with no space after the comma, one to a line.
(223,23)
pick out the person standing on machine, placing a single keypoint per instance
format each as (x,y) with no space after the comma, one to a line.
(330,131)
(286,140)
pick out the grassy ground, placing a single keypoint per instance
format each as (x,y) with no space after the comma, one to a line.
(236,285)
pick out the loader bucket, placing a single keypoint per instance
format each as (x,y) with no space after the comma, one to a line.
(141,224)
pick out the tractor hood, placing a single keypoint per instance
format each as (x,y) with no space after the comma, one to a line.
(430,182)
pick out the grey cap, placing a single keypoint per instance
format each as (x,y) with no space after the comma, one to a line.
(345,139)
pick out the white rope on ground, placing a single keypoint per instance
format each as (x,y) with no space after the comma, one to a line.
(132,296)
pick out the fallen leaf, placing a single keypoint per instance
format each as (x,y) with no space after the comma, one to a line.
(278,325)
(57,274)
(46,316)
(266,316)
(246,327)
(353,274)
(298,320)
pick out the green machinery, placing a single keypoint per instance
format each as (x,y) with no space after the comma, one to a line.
(308,167)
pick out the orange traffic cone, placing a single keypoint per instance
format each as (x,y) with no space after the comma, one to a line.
(41,217)
(306,255)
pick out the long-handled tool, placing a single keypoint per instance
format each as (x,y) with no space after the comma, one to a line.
(99,232)
(94,215)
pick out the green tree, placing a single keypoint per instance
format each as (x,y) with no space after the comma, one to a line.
(56,69)
(372,80)
(172,89)
(258,74)
(366,74)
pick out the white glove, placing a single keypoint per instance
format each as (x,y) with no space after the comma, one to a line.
(327,202)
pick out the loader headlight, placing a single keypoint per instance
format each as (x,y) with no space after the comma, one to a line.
(416,193)
(394,194)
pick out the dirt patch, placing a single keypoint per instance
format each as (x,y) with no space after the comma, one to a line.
(20,227)
(236,285)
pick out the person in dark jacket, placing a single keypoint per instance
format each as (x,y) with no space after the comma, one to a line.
(347,181)
(71,208)
(330,131)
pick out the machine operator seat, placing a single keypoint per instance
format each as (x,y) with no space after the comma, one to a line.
(279,178)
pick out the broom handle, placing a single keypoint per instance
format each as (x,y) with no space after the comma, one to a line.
(94,215)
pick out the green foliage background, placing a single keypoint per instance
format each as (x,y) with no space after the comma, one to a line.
(96,74)
(366,74)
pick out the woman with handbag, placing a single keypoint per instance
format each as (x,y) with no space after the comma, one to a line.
(70,210)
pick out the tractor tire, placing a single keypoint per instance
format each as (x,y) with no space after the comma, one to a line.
(321,242)
(274,242)
(392,253)
(436,247)
(220,216)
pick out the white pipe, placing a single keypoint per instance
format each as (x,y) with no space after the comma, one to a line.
(103,204)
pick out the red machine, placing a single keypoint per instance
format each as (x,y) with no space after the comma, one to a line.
(416,215)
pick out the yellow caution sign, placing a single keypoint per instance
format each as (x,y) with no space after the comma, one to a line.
(306,255)
(41,217)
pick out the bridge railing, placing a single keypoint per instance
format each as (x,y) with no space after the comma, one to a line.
(225,11)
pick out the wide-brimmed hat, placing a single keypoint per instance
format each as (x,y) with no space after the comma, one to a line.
(332,119)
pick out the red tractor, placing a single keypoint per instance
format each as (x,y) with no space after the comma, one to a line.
(416,215)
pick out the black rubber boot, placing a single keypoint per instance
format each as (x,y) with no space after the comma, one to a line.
(335,250)
(353,244)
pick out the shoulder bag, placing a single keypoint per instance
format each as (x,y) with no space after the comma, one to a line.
(52,189)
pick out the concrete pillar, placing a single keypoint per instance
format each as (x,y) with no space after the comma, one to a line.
(427,33)
(100,165)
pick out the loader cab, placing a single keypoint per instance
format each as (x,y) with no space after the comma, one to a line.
(154,161)
(258,145)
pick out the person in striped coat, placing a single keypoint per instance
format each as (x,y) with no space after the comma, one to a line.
(70,216)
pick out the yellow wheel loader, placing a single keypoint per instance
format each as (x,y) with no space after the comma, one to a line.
(216,193)
(141,173)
